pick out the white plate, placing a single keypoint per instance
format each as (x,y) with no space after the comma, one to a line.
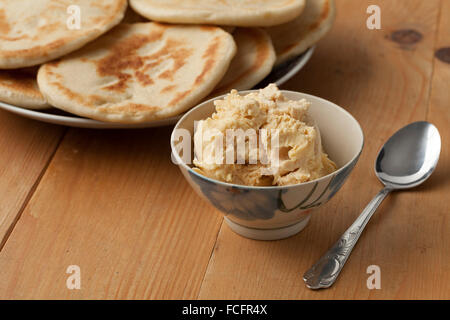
(279,75)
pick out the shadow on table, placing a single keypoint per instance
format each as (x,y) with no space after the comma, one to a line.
(337,71)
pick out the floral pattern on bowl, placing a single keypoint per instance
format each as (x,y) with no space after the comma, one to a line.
(264,203)
(244,203)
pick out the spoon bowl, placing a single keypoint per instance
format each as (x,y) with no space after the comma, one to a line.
(409,157)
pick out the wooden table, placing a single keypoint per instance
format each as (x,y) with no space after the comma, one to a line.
(112,202)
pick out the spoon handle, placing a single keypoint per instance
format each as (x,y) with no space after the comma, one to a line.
(324,273)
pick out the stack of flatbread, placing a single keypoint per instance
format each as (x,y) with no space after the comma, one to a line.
(146,60)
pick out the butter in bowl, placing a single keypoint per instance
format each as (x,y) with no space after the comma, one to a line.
(265,158)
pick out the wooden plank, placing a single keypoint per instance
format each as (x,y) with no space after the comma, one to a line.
(385,85)
(112,203)
(435,192)
(26,147)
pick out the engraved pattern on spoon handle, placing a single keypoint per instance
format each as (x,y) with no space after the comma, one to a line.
(325,272)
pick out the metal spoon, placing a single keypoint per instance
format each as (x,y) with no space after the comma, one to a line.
(406,160)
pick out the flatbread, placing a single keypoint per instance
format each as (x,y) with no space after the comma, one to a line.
(19,87)
(139,72)
(243,13)
(36,31)
(295,37)
(253,61)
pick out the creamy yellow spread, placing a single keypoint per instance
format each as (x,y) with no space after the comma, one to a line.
(293,146)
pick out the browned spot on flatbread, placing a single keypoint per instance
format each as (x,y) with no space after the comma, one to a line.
(25,36)
(169,88)
(172,50)
(124,57)
(178,54)
(143,78)
(47,28)
(4,25)
(151,65)
(20,80)
(69,93)
(208,28)
(132,108)
(37,50)
(49,67)
(120,85)
(96,100)
(180,96)
(323,16)
(210,56)
(262,54)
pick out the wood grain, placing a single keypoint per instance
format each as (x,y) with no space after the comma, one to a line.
(385,85)
(26,148)
(112,203)
(438,189)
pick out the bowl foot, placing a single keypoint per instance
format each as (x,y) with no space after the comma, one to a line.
(268,234)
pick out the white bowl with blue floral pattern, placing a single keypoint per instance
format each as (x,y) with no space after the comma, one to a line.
(275,212)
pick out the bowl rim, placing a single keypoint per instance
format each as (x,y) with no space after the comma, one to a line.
(180,162)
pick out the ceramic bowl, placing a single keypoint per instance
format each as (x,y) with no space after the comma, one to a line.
(276,212)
